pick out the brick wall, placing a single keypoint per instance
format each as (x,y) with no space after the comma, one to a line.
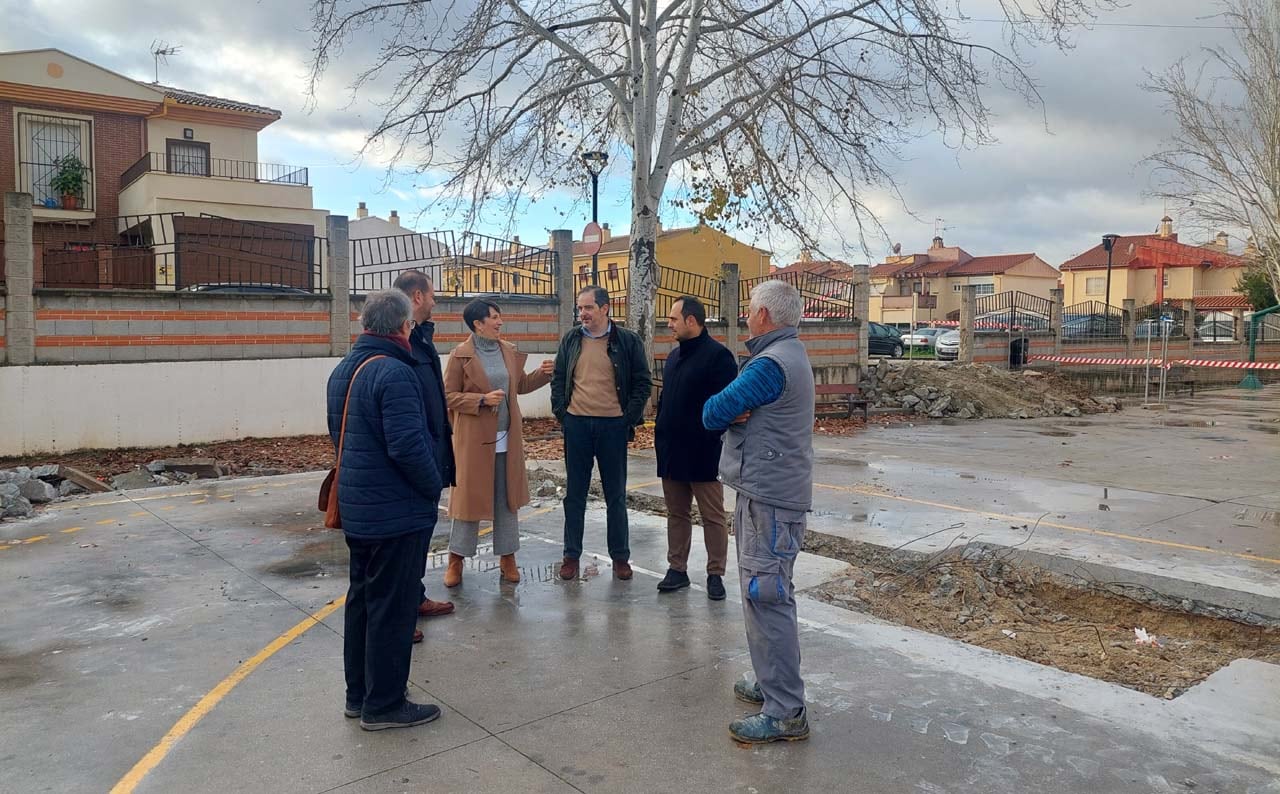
(832,347)
(3,353)
(529,323)
(82,326)
(994,348)
(118,141)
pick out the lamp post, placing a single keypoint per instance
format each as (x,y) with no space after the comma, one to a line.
(1109,242)
(595,163)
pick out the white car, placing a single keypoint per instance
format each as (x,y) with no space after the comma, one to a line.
(922,337)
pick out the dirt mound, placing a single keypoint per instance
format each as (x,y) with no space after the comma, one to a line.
(972,391)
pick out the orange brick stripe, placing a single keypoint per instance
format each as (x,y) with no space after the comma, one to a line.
(507,337)
(511,318)
(75,314)
(181,340)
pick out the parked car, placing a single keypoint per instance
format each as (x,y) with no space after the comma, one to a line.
(884,341)
(922,337)
(1082,326)
(947,347)
(256,289)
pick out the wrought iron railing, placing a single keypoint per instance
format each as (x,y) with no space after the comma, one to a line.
(1090,320)
(1148,320)
(177,251)
(1013,310)
(189,164)
(673,284)
(457,264)
(825,298)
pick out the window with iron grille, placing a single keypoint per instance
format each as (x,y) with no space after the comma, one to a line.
(187,157)
(45,144)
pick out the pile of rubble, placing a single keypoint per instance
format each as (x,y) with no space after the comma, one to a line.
(23,487)
(973,391)
(170,472)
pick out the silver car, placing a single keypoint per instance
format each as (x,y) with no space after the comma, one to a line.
(922,337)
(947,347)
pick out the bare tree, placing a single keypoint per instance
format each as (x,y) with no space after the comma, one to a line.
(765,114)
(1223,165)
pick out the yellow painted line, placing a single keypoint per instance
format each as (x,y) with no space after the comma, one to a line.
(200,501)
(865,491)
(206,704)
(227,496)
(105,521)
(126,501)
(36,539)
(71,529)
(139,514)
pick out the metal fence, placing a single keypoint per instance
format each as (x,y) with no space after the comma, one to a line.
(177,251)
(672,285)
(1149,319)
(457,264)
(825,298)
(1013,310)
(1091,320)
(1219,327)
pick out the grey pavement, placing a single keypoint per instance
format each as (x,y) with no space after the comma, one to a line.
(122,612)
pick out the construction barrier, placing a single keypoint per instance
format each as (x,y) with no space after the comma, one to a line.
(1206,362)
(1121,362)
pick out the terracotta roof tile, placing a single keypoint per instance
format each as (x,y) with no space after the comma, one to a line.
(1221,302)
(1096,256)
(989,265)
(184,97)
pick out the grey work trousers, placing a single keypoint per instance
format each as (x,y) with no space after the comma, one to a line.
(768,540)
(464,535)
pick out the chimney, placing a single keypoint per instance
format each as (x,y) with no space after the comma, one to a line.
(515,244)
(362,211)
(1250,247)
(806,255)
(394,220)
(937,243)
(605,234)
(1220,241)
(1166,227)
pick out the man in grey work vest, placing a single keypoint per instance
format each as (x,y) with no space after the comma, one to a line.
(768,460)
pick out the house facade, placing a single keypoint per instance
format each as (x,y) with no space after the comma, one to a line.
(1156,269)
(115,165)
(926,288)
(693,249)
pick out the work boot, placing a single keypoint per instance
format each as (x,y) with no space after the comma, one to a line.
(715,587)
(748,691)
(674,580)
(434,609)
(510,571)
(406,715)
(569,568)
(453,574)
(761,728)
(622,569)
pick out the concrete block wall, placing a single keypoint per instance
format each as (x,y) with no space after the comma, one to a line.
(993,348)
(530,323)
(832,347)
(3,352)
(94,326)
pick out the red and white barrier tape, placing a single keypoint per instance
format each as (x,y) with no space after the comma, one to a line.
(1207,362)
(1124,362)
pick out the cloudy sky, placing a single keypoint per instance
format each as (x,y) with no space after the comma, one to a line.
(1060,176)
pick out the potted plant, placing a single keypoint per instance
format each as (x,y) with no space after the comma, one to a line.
(68,181)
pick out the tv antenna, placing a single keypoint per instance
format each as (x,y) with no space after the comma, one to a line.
(160,52)
(939,227)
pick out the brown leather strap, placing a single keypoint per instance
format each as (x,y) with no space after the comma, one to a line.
(342,434)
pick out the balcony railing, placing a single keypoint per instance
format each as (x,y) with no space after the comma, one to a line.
(214,168)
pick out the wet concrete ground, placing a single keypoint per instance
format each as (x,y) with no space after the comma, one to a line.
(123,612)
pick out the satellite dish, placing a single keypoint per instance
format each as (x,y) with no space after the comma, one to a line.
(897,248)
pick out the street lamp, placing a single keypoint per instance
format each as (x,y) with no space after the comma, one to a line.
(595,163)
(1109,242)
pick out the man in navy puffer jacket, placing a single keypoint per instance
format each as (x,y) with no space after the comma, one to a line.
(388,489)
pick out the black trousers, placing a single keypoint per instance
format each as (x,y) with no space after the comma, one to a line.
(382,608)
(602,441)
(426,555)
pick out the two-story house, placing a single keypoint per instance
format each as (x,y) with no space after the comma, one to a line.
(1157,269)
(926,287)
(147,186)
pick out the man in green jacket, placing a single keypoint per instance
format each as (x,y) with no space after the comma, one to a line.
(598,393)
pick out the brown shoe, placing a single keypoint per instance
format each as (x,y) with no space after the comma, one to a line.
(510,572)
(432,609)
(569,568)
(622,569)
(417,636)
(453,574)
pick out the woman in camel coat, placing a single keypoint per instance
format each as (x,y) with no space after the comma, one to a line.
(481,382)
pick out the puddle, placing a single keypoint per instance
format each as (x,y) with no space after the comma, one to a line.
(1275,431)
(852,463)
(1054,432)
(1079,424)
(1175,421)
(318,558)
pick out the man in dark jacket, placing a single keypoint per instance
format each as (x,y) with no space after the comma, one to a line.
(688,453)
(426,362)
(599,391)
(388,489)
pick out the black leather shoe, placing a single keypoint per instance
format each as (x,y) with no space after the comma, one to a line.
(715,587)
(673,581)
(405,715)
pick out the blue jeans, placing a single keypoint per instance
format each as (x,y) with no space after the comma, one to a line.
(603,441)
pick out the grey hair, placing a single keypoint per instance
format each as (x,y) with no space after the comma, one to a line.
(781,299)
(386,311)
